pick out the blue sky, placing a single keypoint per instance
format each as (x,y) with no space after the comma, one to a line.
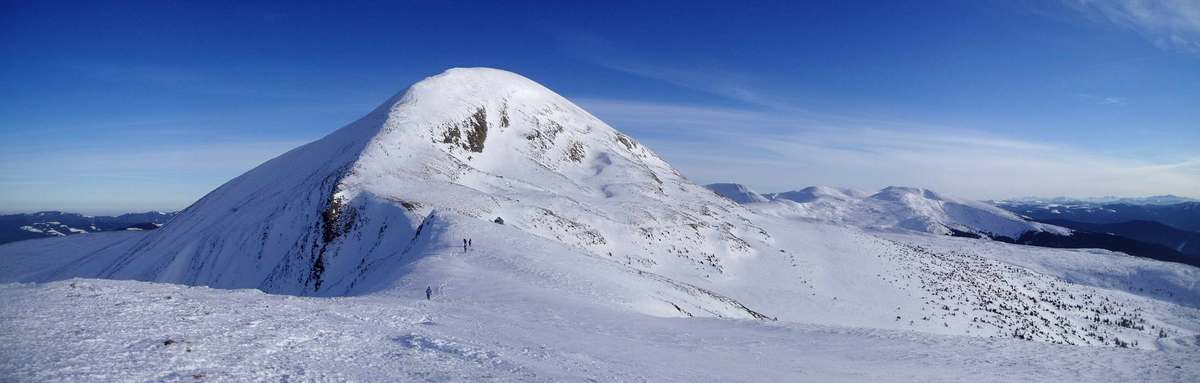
(131,106)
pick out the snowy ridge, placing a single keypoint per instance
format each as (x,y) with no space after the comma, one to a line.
(815,193)
(736,192)
(898,208)
(489,143)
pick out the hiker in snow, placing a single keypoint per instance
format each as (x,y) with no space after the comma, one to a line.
(428,292)
(464,244)
(469,243)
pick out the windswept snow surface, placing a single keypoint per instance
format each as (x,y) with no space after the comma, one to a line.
(609,266)
(104,330)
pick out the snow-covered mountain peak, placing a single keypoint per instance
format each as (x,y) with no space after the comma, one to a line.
(492,144)
(902,193)
(814,193)
(465,109)
(925,210)
(474,126)
(344,213)
(736,192)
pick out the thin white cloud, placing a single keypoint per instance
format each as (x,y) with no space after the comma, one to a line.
(1168,24)
(773,151)
(1104,100)
(1113,101)
(732,86)
(725,85)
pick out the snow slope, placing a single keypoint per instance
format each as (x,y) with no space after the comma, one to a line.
(820,273)
(103,330)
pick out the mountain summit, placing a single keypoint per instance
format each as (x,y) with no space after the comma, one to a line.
(330,216)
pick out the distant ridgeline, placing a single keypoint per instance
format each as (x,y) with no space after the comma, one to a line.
(1182,216)
(1165,228)
(1167,231)
(17,227)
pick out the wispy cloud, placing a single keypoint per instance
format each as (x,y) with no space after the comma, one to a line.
(1103,100)
(727,85)
(1168,24)
(774,151)
(732,86)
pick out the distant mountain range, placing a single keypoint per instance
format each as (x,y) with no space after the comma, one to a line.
(1167,199)
(1149,220)
(892,208)
(16,227)
(1184,215)
(1183,241)
(1150,228)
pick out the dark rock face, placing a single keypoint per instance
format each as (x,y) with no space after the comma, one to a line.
(504,122)
(576,152)
(475,129)
(626,141)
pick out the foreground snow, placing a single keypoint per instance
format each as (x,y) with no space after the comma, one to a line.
(88,330)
